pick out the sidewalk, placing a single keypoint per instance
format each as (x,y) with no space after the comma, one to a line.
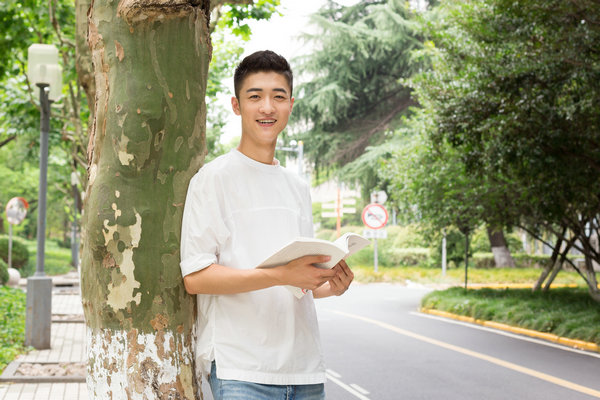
(67,352)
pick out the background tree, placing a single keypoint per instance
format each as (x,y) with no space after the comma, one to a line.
(514,91)
(354,95)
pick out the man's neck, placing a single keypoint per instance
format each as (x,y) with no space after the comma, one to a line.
(262,154)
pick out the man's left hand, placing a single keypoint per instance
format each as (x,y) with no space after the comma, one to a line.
(338,284)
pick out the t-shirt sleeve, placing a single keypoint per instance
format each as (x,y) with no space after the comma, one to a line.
(203,228)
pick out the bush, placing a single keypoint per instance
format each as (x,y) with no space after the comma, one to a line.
(522,260)
(408,256)
(20,254)
(3,272)
(12,324)
(407,236)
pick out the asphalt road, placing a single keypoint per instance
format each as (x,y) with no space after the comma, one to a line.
(377,347)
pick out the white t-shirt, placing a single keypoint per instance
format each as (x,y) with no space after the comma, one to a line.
(238,211)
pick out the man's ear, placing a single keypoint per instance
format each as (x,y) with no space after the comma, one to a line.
(291,104)
(235,105)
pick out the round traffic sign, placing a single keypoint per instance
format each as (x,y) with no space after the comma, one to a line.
(16,210)
(375,216)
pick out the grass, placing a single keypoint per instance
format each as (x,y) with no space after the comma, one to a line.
(57,260)
(456,276)
(12,324)
(567,312)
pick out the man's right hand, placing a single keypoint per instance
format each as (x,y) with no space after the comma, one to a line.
(303,273)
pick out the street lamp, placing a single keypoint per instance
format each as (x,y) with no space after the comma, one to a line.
(44,72)
(298,148)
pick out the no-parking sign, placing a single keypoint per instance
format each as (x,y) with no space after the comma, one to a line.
(375,216)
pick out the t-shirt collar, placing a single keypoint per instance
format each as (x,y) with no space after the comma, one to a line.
(257,164)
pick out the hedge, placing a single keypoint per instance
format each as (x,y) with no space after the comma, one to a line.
(20,253)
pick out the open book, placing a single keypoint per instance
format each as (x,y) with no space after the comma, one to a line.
(344,246)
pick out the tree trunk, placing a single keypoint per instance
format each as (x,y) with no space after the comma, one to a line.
(150,61)
(502,256)
(551,264)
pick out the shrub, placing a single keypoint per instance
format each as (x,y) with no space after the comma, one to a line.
(12,324)
(3,272)
(407,256)
(20,254)
(522,260)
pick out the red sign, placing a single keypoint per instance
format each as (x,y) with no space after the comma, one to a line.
(375,216)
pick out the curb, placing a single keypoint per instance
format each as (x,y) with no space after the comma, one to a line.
(578,344)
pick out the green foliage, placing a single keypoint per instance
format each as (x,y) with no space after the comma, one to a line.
(57,259)
(355,95)
(522,260)
(566,312)
(234,16)
(509,133)
(20,253)
(3,272)
(12,324)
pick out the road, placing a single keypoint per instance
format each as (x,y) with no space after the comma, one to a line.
(378,347)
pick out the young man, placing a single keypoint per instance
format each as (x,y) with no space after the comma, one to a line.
(256,340)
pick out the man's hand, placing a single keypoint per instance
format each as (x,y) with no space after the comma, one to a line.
(338,284)
(302,272)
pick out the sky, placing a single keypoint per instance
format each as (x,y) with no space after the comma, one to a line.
(280,34)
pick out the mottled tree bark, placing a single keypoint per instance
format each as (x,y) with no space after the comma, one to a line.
(150,62)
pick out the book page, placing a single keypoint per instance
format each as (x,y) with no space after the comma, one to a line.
(351,243)
(305,247)
(345,245)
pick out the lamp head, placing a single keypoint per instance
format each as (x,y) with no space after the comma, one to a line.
(43,68)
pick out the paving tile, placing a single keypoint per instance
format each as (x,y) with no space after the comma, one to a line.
(57,392)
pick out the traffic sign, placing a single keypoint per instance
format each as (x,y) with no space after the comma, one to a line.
(375,216)
(16,210)
(379,197)
(375,233)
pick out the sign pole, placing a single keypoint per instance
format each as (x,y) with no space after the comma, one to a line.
(9,245)
(338,209)
(375,260)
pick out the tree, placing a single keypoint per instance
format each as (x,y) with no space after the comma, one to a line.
(354,94)
(146,142)
(515,92)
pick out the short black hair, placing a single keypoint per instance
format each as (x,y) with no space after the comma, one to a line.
(262,61)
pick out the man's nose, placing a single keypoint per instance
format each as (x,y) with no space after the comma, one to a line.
(266,106)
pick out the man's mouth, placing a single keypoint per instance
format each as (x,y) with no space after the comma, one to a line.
(266,121)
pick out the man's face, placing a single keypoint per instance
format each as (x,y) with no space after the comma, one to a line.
(265,105)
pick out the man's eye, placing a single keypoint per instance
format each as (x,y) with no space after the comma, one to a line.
(254,96)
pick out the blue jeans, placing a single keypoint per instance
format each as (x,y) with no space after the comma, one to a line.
(223,389)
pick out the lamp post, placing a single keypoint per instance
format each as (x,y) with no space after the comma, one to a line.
(45,73)
(298,148)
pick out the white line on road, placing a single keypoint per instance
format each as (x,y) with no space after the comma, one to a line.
(493,360)
(333,377)
(509,334)
(333,373)
(360,389)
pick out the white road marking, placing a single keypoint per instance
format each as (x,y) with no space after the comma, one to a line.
(333,373)
(509,334)
(341,384)
(359,389)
